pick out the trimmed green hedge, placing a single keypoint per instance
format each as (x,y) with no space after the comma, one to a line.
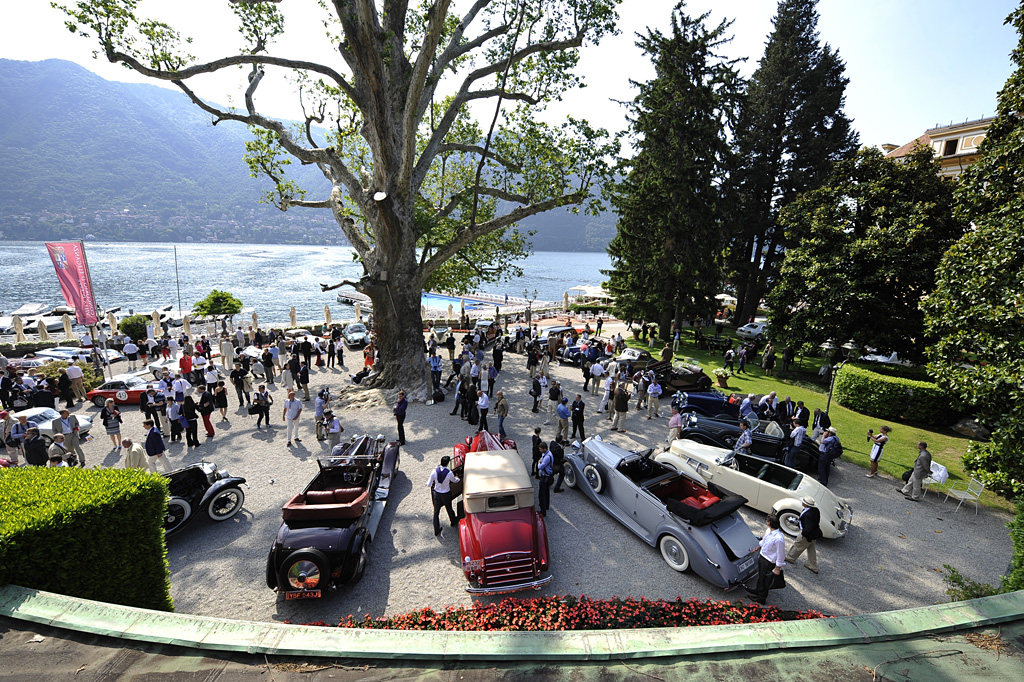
(894,398)
(90,533)
(89,376)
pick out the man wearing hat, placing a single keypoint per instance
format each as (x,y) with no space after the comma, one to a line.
(333,427)
(827,449)
(810,533)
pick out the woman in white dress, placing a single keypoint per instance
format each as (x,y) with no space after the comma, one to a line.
(879,442)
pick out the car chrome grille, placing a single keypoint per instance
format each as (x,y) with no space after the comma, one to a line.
(508,569)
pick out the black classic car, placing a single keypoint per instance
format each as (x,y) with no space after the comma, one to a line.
(709,403)
(327,528)
(200,488)
(769,439)
(680,376)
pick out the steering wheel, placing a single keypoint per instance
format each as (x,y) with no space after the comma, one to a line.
(351,477)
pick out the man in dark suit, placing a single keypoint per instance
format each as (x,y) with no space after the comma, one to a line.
(44,398)
(785,411)
(802,413)
(810,533)
(155,447)
(35,448)
(821,423)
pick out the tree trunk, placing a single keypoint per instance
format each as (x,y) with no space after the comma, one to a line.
(398,332)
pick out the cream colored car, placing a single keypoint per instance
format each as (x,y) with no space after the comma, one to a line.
(767,486)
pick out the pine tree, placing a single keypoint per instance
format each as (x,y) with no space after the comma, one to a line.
(666,252)
(976,314)
(791,130)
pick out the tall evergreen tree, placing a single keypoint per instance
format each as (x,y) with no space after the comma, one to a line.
(666,252)
(791,130)
(976,314)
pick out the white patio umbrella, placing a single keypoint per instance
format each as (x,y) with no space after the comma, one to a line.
(293,316)
(327,316)
(565,301)
(41,330)
(423,311)
(112,321)
(186,322)
(19,330)
(68,333)
(359,312)
(463,308)
(156,323)
(451,312)
(255,321)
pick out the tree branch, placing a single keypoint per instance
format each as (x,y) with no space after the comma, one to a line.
(476,149)
(458,197)
(430,151)
(466,236)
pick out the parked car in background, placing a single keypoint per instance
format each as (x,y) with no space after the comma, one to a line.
(767,486)
(503,541)
(355,335)
(124,389)
(695,525)
(544,335)
(201,488)
(489,330)
(769,439)
(72,353)
(326,530)
(680,376)
(755,331)
(591,350)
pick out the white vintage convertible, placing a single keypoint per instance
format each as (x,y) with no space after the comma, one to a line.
(768,487)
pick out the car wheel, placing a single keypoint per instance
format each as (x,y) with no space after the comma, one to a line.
(226,504)
(759,337)
(789,521)
(99,401)
(593,477)
(570,476)
(178,511)
(361,564)
(674,554)
(271,571)
(306,569)
(704,383)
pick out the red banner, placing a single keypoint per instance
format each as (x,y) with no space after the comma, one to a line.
(73,273)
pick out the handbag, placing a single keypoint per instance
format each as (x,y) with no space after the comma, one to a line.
(778,581)
(255,409)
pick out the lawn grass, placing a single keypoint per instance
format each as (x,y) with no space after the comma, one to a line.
(802,383)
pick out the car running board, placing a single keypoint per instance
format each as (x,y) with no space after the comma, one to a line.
(375,517)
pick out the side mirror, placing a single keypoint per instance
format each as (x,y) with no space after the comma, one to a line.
(576,444)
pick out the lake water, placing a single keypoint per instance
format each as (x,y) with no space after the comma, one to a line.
(267,278)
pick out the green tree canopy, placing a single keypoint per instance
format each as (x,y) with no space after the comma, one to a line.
(666,251)
(134,326)
(218,303)
(976,314)
(869,242)
(790,131)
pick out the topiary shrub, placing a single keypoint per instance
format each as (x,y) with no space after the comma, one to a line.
(90,378)
(89,533)
(135,326)
(894,398)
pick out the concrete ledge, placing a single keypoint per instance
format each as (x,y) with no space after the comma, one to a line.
(203,632)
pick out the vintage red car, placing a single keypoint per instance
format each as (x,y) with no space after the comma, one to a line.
(125,389)
(502,539)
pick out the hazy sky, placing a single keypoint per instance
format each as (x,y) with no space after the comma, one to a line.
(912,64)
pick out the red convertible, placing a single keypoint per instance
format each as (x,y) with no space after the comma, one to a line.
(502,539)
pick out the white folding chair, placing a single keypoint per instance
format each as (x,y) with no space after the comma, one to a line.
(971,492)
(938,477)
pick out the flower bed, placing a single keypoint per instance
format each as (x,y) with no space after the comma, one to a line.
(570,613)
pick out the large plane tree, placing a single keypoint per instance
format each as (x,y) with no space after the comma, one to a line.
(421,190)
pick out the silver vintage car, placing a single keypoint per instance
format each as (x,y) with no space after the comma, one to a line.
(695,525)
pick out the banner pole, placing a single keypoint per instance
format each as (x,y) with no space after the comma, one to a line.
(92,327)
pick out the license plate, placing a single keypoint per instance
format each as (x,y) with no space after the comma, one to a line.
(88,438)
(747,564)
(308,594)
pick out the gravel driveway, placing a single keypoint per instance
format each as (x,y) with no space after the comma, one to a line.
(890,560)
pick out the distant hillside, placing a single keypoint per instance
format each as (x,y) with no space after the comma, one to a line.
(72,142)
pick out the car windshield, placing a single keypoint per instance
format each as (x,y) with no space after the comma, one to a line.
(45,415)
(136,382)
(355,329)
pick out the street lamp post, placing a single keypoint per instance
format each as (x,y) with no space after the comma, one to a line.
(851,350)
(529,304)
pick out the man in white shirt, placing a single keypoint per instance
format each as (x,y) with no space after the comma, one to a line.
(77,380)
(675,423)
(180,387)
(440,482)
(747,406)
(227,353)
(770,561)
(290,416)
(596,372)
(199,369)
(609,386)
(172,346)
(483,403)
(334,428)
(132,351)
